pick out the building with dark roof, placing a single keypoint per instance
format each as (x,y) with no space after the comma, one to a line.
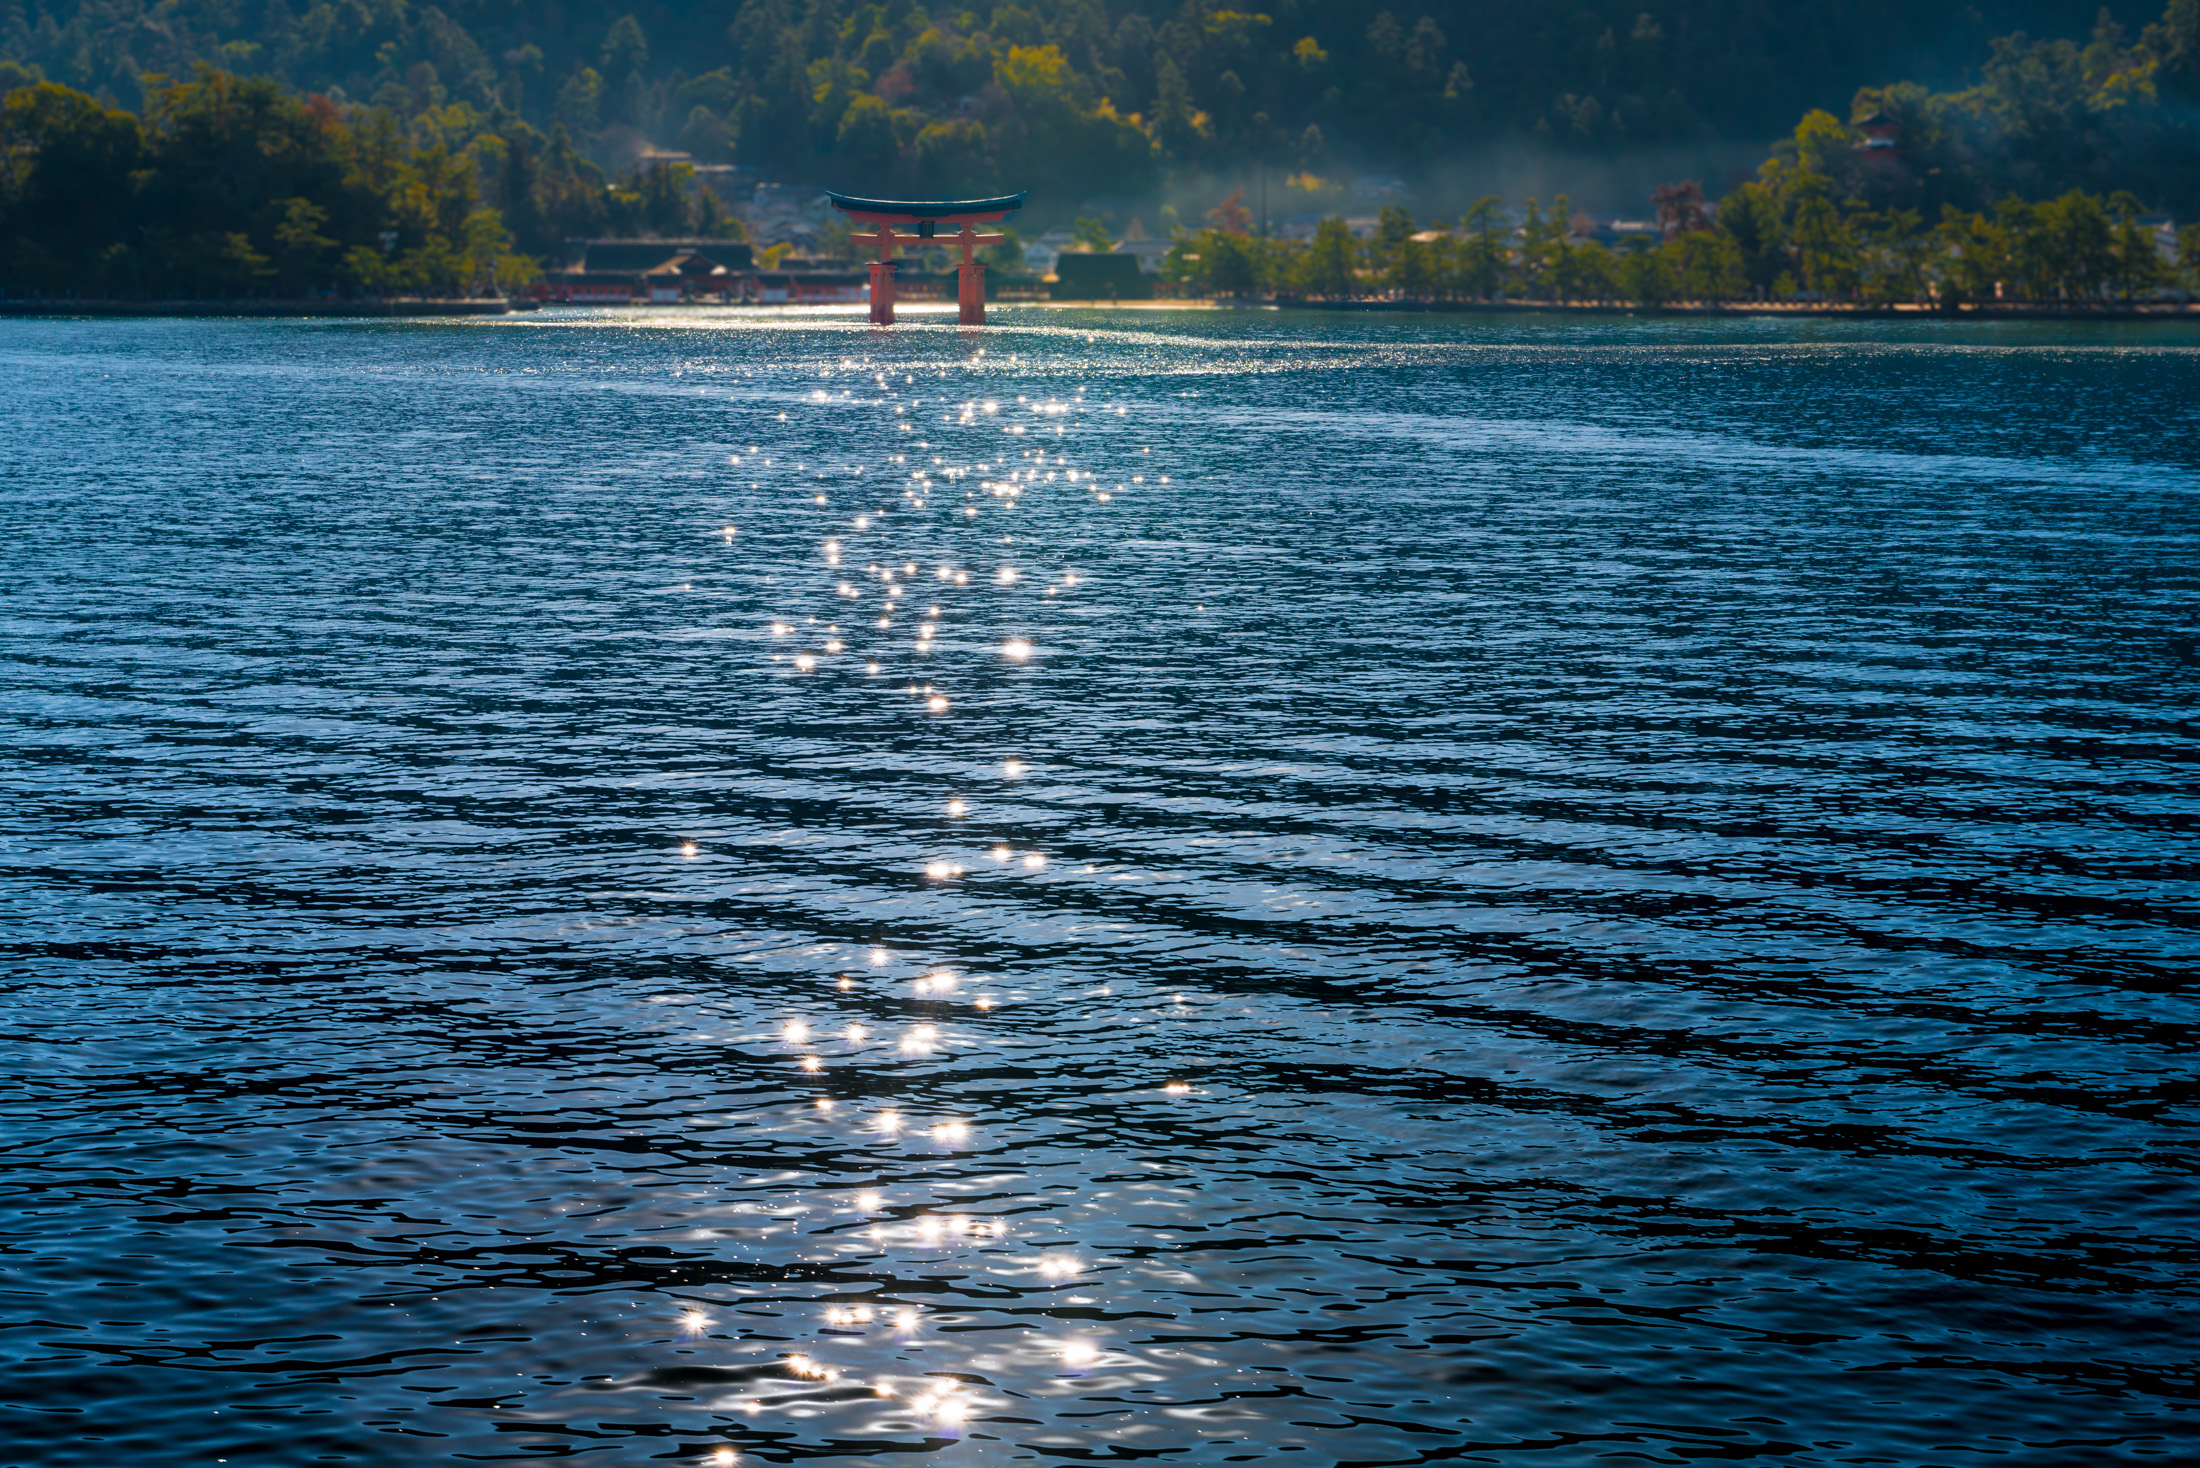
(614,272)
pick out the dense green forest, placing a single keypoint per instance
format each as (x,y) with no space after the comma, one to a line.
(223,182)
(868,92)
(230,186)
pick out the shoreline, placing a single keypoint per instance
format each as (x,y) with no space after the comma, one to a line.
(1901,311)
(1905,311)
(324,308)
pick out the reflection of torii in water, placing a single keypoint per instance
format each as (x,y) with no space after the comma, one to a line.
(927,217)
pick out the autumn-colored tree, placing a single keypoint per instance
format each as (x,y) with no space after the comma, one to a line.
(1231,216)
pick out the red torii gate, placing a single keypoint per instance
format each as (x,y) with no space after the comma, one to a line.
(927,217)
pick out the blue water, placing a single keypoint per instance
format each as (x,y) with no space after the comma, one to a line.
(1540,893)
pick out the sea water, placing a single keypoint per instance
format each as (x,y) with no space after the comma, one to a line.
(1192,887)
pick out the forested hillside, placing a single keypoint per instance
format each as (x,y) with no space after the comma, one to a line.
(970,96)
(413,163)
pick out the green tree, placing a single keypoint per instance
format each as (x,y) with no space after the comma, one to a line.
(1393,230)
(1483,256)
(1093,234)
(1175,119)
(1218,263)
(580,103)
(1410,270)
(1596,271)
(2135,264)
(2076,245)
(625,58)
(1750,217)
(1542,239)
(955,159)
(1328,266)
(66,182)
(1973,257)
(1824,247)
(868,145)
(1708,265)
(302,251)
(1646,273)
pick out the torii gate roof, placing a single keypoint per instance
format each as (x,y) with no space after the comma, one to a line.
(914,211)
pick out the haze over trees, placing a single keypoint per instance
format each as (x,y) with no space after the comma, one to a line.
(1783,236)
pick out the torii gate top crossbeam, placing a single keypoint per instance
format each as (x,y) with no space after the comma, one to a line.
(923,212)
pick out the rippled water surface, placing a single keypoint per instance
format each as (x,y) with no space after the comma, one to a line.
(1193,888)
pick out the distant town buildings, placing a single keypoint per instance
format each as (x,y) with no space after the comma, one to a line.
(1041,254)
(619,272)
(1148,253)
(791,214)
(663,272)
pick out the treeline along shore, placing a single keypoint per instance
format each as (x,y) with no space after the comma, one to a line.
(1785,240)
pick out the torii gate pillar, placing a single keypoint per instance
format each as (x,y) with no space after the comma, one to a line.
(927,217)
(882,285)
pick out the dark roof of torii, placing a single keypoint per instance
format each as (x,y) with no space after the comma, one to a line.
(927,208)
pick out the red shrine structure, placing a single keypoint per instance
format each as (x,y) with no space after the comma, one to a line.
(924,221)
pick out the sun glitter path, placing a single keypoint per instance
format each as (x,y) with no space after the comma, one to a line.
(959,488)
